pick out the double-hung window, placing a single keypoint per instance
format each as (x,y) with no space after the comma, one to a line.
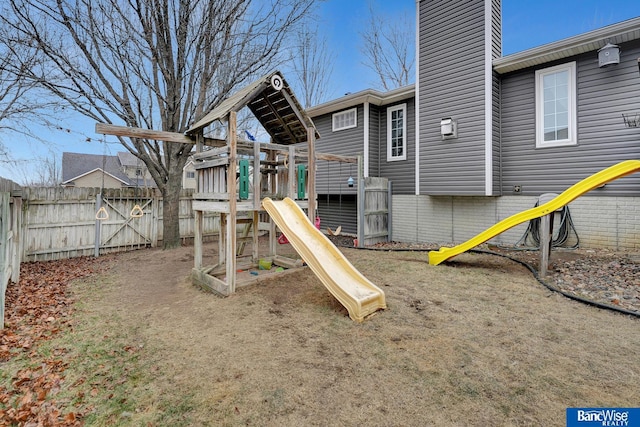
(344,119)
(556,122)
(397,132)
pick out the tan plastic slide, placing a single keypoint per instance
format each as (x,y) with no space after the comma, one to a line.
(354,291)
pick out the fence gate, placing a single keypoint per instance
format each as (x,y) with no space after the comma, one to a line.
(128,220)
(374,211)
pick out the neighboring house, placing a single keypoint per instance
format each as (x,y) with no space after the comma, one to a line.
(487,134)
(189,175)
(92,170)
(122,170)
(135,170)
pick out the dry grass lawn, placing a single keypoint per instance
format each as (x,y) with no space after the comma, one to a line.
(474,342)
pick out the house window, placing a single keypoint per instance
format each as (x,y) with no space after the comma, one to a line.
(138,172)
(396,132)
(191,175)
(556,106)
(345,119)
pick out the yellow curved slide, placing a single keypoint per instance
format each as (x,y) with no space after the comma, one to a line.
(596,180)
(360,297)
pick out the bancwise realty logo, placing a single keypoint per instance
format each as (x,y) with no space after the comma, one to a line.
(603,417)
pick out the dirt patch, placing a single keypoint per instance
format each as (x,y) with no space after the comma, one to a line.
(477,341)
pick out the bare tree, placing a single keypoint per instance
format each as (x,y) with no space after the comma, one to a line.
(312,64)
(153,64)
(389,49)
(19,100)
(43,171)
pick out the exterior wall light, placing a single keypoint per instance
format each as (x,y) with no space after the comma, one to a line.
(609,54)
(448,128)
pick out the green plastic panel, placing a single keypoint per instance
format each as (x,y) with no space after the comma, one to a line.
(302,181)
(243,184)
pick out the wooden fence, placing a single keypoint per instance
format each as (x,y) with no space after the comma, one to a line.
(63,222)
(374,211)
(10,238)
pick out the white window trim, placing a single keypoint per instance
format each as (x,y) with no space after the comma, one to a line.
(573,122)
(402,107)
(355,120)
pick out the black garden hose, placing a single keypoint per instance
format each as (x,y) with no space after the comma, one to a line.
(532,270)
(564,229)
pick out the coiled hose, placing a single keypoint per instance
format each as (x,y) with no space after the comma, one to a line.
(564,230)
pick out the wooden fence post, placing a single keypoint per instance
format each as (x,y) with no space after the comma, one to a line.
(96,250)
(17,238)
(5,268)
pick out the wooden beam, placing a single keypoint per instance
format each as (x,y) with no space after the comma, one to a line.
(336,158)
(131,132)
(209,283)
(284,125)
(156,135)
(295,110)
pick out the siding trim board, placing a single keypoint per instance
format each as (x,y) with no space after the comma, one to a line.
(417,102)
(366,141)
(588,42)
(488,110)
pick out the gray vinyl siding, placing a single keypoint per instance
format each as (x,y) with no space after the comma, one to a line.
(496,147)
(400,172)
(338,211)
(496,52)
(375,141)
(451,84)
(331,177)
(603,94)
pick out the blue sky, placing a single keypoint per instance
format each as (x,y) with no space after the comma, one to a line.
(526,24)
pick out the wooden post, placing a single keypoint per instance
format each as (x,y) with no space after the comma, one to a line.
(255,253)
(291,190)
(17,239)
(311,165)
(273,243)
(197,239)
(545,243)
(257,199)
(5,231)
(96,249)
(233,207)
(360,205)
(257,176)
(222,239)
(155,218)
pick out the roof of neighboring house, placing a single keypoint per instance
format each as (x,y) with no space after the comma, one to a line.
(587,42)
(273,103)
(128,159)
(371,96)
(76,165)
